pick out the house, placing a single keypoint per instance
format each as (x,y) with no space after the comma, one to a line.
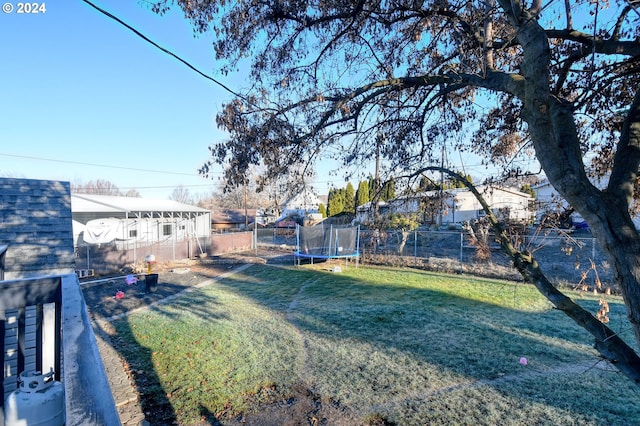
(547,198)
(43,319)
(304,205)
(456,205)
(232,219)
(549,201)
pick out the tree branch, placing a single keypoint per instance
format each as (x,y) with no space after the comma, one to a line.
(604,46)
(627,158)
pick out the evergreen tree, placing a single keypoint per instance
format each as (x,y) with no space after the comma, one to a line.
(389,190)
(336,201)
(362,194)
(349,198)
(322,210)
(426,184)
(372,188)
(526,188)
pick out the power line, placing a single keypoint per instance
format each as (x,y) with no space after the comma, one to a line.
(135,169)
(168,52)
(124,188)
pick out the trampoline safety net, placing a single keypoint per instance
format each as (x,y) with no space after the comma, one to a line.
(327,241)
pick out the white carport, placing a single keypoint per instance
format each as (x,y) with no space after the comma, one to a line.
(130,222)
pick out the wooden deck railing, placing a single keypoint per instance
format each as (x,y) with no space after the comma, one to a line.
(46,325)
(3,252)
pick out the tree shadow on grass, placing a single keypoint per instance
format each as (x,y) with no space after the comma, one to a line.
(470,339)
(112,324)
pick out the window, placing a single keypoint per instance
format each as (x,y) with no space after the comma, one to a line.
(133,233)
(167,229)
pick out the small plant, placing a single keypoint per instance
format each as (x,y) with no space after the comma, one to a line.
(603,312)
(402,225)
(479,238)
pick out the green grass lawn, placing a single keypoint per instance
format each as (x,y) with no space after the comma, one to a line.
(408,346)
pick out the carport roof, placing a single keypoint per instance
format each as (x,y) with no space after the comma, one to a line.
(89,203)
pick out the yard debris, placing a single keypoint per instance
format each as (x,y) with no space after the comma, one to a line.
(119,294)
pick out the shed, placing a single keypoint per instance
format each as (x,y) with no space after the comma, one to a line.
(131,221)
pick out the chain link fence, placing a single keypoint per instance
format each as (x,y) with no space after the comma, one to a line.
(106,259)
(572,259)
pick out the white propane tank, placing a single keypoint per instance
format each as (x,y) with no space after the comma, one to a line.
(39,400)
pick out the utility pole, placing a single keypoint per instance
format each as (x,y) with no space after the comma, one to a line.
(376,180)
(441,187)
(246,215)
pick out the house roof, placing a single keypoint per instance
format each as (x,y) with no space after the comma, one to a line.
(233,216)
(90,203)
(368,205)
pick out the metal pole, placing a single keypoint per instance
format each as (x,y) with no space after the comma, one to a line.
(246,216)
(255,233)
(415,247)
(461,244)
(358,245)
(330,238)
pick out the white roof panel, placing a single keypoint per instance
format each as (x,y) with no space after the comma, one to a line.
(107,203)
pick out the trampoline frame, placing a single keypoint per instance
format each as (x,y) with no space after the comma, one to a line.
(298,254)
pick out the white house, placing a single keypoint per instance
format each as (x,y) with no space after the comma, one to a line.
(304,204)
(458,205)
(548,200)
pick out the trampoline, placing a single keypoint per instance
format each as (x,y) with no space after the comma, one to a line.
(326,242)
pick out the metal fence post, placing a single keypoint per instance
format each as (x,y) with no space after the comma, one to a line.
(255,236)
(415,247)
(461,244)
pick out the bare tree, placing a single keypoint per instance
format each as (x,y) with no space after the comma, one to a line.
(181,194)
(96,187)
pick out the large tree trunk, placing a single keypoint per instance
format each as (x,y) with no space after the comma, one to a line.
(555,139)
(557,145)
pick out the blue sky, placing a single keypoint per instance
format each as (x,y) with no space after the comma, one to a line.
(80,88)
(84,98)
